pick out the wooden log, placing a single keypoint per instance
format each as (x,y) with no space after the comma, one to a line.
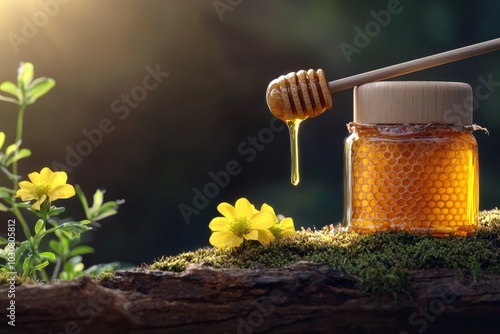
(304,298)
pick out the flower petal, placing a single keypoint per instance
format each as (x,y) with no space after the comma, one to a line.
(45,174)
(268,208)
(252,235)
(287,226)
(25,195)
(218,239)
(262,220)
(39,202)
(266,237)
(57,179)
(26,185)
(244,209)
(219,224)
(234,241)
(34,177)
(62,191)
(227,210)
(225,239)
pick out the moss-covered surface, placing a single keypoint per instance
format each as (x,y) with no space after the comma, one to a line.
(382,261)
(6,279)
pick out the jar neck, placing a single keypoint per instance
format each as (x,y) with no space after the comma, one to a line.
(402,129)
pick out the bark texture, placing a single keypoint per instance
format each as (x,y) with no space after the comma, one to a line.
(305,298)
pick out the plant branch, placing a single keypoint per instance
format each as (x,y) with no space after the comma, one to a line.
(19,135)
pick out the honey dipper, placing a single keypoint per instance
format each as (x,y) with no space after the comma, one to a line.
(297,96)
(306,94)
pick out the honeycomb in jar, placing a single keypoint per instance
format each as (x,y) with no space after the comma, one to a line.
(422,181)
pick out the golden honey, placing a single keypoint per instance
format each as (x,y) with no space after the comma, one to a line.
(293,129)
(407,178)
(422,178)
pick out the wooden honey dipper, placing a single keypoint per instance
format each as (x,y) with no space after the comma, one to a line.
(306,94)
(297,96)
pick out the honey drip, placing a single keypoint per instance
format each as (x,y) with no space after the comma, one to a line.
(295,97)
(293,128)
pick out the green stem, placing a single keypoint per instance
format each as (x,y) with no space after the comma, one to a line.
(19,135)
(20,117)
(21,220)
(56,268)
(45,277)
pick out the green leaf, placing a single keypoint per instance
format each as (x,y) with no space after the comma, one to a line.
(3,241)
(27,265)
(2,139)
(107,209)
(39,226)
(23,153)
(64,276)
(6,192)
(74,260)
(55,246)
(23,205)
(9,87)
(48,256)
(63,239)
(80,250)
(101,268)
(107,267)
(54,211)
(8,99)
(72,263)
(78,268)
(8,174)
(4,208)
(25,75)
(106,214)
(39,88)
(41,265)
(111,205)
(98,198)
(83,200)
(11,149)
(25,245)
(73,229)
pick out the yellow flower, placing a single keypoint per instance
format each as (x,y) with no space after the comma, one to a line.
(240,222)
(280,229)
(43,185)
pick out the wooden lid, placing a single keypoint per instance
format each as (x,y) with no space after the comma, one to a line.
(414,102)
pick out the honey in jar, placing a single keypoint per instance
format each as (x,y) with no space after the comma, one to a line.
(411,161)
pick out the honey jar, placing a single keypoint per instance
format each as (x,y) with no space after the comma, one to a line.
(411,161)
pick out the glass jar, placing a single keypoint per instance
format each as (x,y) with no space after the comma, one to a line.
(411,161)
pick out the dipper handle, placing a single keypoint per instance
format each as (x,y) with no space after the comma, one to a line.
(301,95)
(415,65)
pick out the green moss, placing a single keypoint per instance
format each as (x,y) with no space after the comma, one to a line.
(105,276)
(6,277)
(382,261)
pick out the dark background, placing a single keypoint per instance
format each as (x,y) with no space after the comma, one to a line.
(202,114)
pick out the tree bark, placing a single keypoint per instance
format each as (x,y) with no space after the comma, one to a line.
(305,298)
